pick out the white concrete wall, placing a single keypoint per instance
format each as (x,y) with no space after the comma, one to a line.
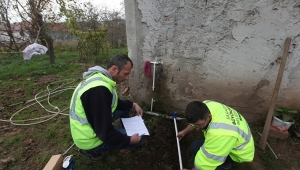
(18,37)
(223,50)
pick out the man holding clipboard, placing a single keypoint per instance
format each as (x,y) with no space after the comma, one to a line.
(95,106)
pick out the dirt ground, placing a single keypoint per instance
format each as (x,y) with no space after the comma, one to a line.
(157,152)
(163,146)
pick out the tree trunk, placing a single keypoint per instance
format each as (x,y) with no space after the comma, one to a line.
(48,39)
(50,52)
(9,32)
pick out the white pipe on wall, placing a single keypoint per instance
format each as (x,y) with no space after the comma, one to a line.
(152,103)
(154,64)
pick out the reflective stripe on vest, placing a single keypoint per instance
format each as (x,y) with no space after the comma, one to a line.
(227,127)
(214,157)
(83,84)
(233,128)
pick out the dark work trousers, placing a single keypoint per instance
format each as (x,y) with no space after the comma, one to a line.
(104,147)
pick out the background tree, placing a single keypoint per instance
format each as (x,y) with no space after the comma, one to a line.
(9,40)
(116,29)
(96,29)
(36,14)
(86,23)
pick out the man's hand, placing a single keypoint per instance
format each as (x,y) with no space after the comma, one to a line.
(180,135)
(185,131)
(138,109)
(134,139)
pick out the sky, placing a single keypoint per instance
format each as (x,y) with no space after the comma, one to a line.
(117,5)
(111,4)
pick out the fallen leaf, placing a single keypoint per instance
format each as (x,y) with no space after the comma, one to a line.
(28,142)
(7,160)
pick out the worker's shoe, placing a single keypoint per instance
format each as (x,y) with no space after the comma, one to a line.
(92,156)
(225,166)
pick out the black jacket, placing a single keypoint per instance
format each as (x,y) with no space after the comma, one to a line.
(97,106)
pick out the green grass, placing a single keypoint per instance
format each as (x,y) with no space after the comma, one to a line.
(20,82)
(66,64)
(16,67)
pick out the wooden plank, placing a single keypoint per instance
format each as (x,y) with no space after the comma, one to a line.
(55,163)
(263,139)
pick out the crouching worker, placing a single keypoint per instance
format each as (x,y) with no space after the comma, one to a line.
(227,135)
(95,106)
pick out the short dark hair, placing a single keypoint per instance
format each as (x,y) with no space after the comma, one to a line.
(195,111)
(120,60)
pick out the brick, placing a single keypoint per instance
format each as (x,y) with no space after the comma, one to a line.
(278,134)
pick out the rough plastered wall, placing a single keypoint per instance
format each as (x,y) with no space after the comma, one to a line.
(223,50)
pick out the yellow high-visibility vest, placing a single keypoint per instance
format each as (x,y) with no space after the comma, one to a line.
(82,133)
(228,134)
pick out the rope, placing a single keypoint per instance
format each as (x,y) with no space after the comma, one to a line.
(68,149)
(37,100)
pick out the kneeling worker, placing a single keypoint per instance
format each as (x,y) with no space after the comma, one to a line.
(227,135)
(95,105)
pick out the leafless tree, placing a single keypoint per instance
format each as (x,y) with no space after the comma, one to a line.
(116,29)
(89,17)
(8,41)
(36,14)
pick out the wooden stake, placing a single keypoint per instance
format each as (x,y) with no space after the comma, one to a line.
(270,148)
(263,139)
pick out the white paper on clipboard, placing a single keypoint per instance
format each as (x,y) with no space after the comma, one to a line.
(135,125)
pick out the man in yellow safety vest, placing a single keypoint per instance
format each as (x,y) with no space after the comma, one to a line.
(227,135)
(95,105)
